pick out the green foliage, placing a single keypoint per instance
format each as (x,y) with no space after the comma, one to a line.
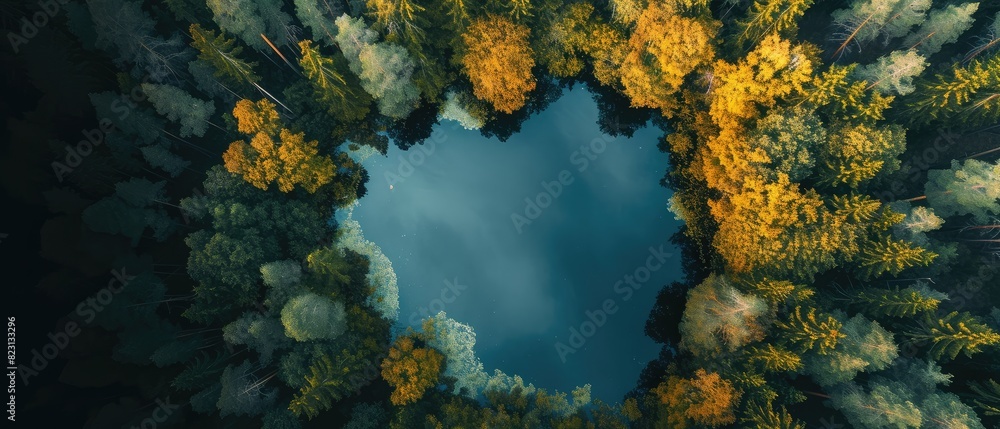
(893,73)
(178,106)
(456,341)
(243,393)
(313,317)
(968,188)
(966,94)
(258,332)
(248,20)
(785,142)
(330,86)
(385,69)
(201,372)
(885,405)
(131,210)
(953,334)
(385,298)
(942,27)
(988,396)
(775,359)
(865,346)
(329,379)
(158,156)
(766,417)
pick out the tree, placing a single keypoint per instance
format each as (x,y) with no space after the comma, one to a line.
(706,399)
(566,41)
(813,330)
(953,334)
(281,274)
(257,117)
(258,332)
(908,302)
(178,106)
(385,297)
(886,404)
(248,20)
(944,26)
(499,61)
(968,188)
(894,73)
(967,93)
(123,28)
(785,141)
(456,341)
(457,108)
(865,346)
(221,53)
(775,359)
(330,377)
(771,16)
(410,370)
(312,317)
(664,48)
(856,154)
(887,255)
(292,162)
(385,69)
(718,317)
(319,16)
(243,394)
(988,396)
(988,42)
(130,210)
(866,20)
(331,86)
(158,156)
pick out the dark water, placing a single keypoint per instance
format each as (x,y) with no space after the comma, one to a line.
(449,219)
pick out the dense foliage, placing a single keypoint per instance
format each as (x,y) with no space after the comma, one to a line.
(831,161)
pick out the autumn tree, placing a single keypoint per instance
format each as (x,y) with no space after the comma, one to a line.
(811,330)
(771,16)
(705,399)
(498,60)
(410,370)
(664,48)
(855,154)
(290,161)
(907,302)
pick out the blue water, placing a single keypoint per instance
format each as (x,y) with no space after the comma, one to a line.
(449,219)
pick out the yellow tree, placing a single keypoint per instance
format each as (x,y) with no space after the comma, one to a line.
(664,48)
(498,61)
(410,370)
(289,161)
(704,400)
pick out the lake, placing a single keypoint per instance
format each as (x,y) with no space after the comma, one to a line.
(551,245)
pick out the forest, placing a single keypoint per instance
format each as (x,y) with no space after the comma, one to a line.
(835,165)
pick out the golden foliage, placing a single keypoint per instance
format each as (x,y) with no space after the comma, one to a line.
(410,370)
(707,399)
(498,61)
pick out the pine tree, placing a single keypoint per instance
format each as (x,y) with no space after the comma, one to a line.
(887,255)
(766,417)
(955,333)
(221,53)
(988,396)
(775,359)
(907,302)
(968,188)
(200,372)
(894,73)
(771,16)
(331,86)
(944,26)
(858,153)
(821,332)
(967,93)
(328,381)
(177,105)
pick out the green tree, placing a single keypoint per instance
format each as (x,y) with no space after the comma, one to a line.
(775,359)
(893,73)
(385,69)
(178,106)
(864,347)
(942,27)
(785,141)
(967,93)
(243,392)
(856,154)
(313,317)
(248,20)
(331,85)
(967,188)
(887,255)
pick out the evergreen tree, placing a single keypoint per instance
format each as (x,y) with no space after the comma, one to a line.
(953,334)
(222,55)
(178,106)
